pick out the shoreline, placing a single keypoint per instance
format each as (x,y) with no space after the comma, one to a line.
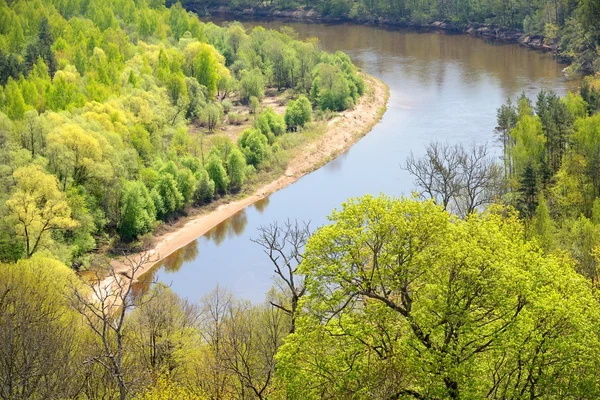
(342,132)
(484,31)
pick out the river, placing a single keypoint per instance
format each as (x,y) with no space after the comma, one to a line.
(442,87)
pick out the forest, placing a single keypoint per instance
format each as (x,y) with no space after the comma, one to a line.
(108,113)
(572,26)
(481,284)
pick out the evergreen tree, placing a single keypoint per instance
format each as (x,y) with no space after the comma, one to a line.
(527,193)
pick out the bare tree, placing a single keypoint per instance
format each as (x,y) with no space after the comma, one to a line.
(242,340)
(284,245)
(211,374)
(461,180)
(480,179)
(104,302)
(252,337)
(437,173)
(159,328)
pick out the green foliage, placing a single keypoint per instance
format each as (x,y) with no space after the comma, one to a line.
(252,84)
(269,122)
(37,207)
(217,173)
(169,195)
(97,95)
(298,113)
(236,169)
(332,90)
(137,211)
(205,187)
(412,300)
(255,146)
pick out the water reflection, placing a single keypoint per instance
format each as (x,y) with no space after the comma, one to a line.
(261,205)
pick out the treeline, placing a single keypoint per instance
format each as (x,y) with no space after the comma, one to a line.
(572,25)
(551,155)
(97,101)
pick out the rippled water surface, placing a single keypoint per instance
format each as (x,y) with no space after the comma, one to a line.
(442,87)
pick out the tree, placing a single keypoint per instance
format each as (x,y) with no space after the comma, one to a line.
(252,84)
(436,174)
(506,117)
(330,88)
(405,301)
(542,222)
(270,123)
(205,63)
(15,104)
(254,145)
(33,136)
(160,329)
(42,48)
(211,116)
(43,345)
(37,207)
(241,342)
(205,187)
(236,169)
(217,173)
(104,302)
(284,244)
(76,149)
(171,198)
(137,211)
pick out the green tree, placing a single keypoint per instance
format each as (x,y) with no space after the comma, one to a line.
(205,187)
(236,169)
(330,88)
(252,84)
(37,207)
(542,222)
(404,300)
(298,113)
(255,146)
(15,104)
(217,173)
(269,122)
(43,346)
(137,211)
(171,199)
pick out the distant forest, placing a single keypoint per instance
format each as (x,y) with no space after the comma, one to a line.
(571,25)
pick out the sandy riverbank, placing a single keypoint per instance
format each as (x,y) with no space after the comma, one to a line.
(342,132)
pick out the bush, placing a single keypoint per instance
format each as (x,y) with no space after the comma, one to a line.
(170,196)
(235,118)
(270,122)
(227,106)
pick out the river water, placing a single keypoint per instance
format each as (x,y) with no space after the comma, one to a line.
(442,87)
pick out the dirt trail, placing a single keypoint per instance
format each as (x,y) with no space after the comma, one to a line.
(342,132)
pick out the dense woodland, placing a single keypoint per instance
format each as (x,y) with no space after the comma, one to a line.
(573,26)
(483,284)
(100,106)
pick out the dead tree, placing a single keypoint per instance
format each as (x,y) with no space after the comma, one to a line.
(437,174)
(460,179)
(284,245)
(104,302)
